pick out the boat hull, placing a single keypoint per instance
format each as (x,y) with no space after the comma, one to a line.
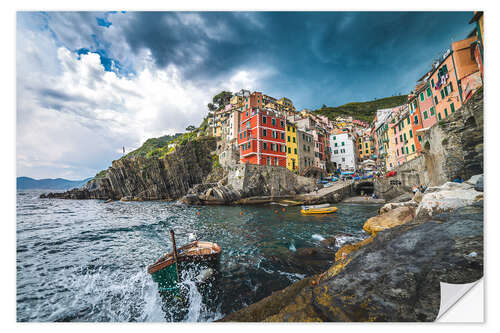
(319,211)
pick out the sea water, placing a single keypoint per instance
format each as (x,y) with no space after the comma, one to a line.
(86,260)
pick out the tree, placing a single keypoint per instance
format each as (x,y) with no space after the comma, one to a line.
(211,107)
(324,106)
(190,128)
(222,99)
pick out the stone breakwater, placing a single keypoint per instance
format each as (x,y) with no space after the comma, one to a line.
(395,273)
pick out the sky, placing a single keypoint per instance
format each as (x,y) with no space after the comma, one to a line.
(90,83)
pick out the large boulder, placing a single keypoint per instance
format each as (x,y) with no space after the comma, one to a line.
(393,205)
(395,217)
(445,198)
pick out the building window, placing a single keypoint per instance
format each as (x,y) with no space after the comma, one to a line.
(293,139)
(413,148)
(415,120)
(335,144)
(452,107)
(442,93)
(288,129)
(282,123)
(360,146)
(419,138)
(439,116)
(293,129)
(264,132)
(288,138)
(249,146)
(335,152)
(400,137)
(429,93)
(432,82)
(334,137)
(433,111)
(241,136)
(264,120)
(282,136)
(445,113)
(343,143)
(402,150)
(407,150)
(394,130)
(244,134)
(422,97)
(289,150)
(396,140)
(408,120)
(360,152)
(366,151)
(264,145)
(273,121)
(268,161)
(435,100)
(304,147)
(366,145)
(295,151)
(411,134)
(404,135)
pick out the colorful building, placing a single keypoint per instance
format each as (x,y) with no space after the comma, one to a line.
(287,105)
(410,150)
(467,69)
(262,134)
(478,46)
(343,151)
(292,157)
(305,144)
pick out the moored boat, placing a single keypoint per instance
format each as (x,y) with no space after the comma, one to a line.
(165,270)
(325,210)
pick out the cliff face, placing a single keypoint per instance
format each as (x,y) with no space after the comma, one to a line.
(141,178)
(248,180)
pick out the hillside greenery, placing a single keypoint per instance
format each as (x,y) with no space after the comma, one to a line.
(362,110)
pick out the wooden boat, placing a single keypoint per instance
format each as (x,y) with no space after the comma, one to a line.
(325,210)
(165,271)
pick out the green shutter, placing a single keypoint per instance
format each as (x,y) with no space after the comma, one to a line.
(452,107)
(426,115)
(439,116)
(433,111)
(407,150)
(411,134)
(445,112)
(429,93)
(422,96)
(432,82)
(442,93)
(435,100)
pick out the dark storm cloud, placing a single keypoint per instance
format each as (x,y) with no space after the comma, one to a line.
(319,57)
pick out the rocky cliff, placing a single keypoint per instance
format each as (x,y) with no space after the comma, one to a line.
(249,180)
(142,178)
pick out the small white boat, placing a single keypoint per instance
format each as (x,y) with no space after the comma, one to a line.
(316,206)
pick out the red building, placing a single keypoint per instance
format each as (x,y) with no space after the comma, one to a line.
(262,133)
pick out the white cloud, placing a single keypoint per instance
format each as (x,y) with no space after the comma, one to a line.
(73,117)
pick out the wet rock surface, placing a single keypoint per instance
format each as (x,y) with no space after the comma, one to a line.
(393,277)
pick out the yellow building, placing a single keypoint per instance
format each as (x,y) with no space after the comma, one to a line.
(409,147)
(390,158)
(292,157)
(236,100)
(287,104)
(365,144)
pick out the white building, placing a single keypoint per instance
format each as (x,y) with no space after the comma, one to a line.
(343,153)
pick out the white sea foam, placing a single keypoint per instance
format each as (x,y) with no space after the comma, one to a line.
(292,247)
(317,237)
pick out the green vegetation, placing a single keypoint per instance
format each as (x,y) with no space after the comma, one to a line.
(427,145)
(444,142)
(215,160)
(153,144)
(100,174)
(362,110)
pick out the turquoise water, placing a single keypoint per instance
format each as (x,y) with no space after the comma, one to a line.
(84,260)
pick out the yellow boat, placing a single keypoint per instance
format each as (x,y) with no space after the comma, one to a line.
(319,210)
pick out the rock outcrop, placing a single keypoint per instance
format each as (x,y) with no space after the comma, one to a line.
(447,197)
(141,178)
(392,218)
(394,276)
(244,181)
